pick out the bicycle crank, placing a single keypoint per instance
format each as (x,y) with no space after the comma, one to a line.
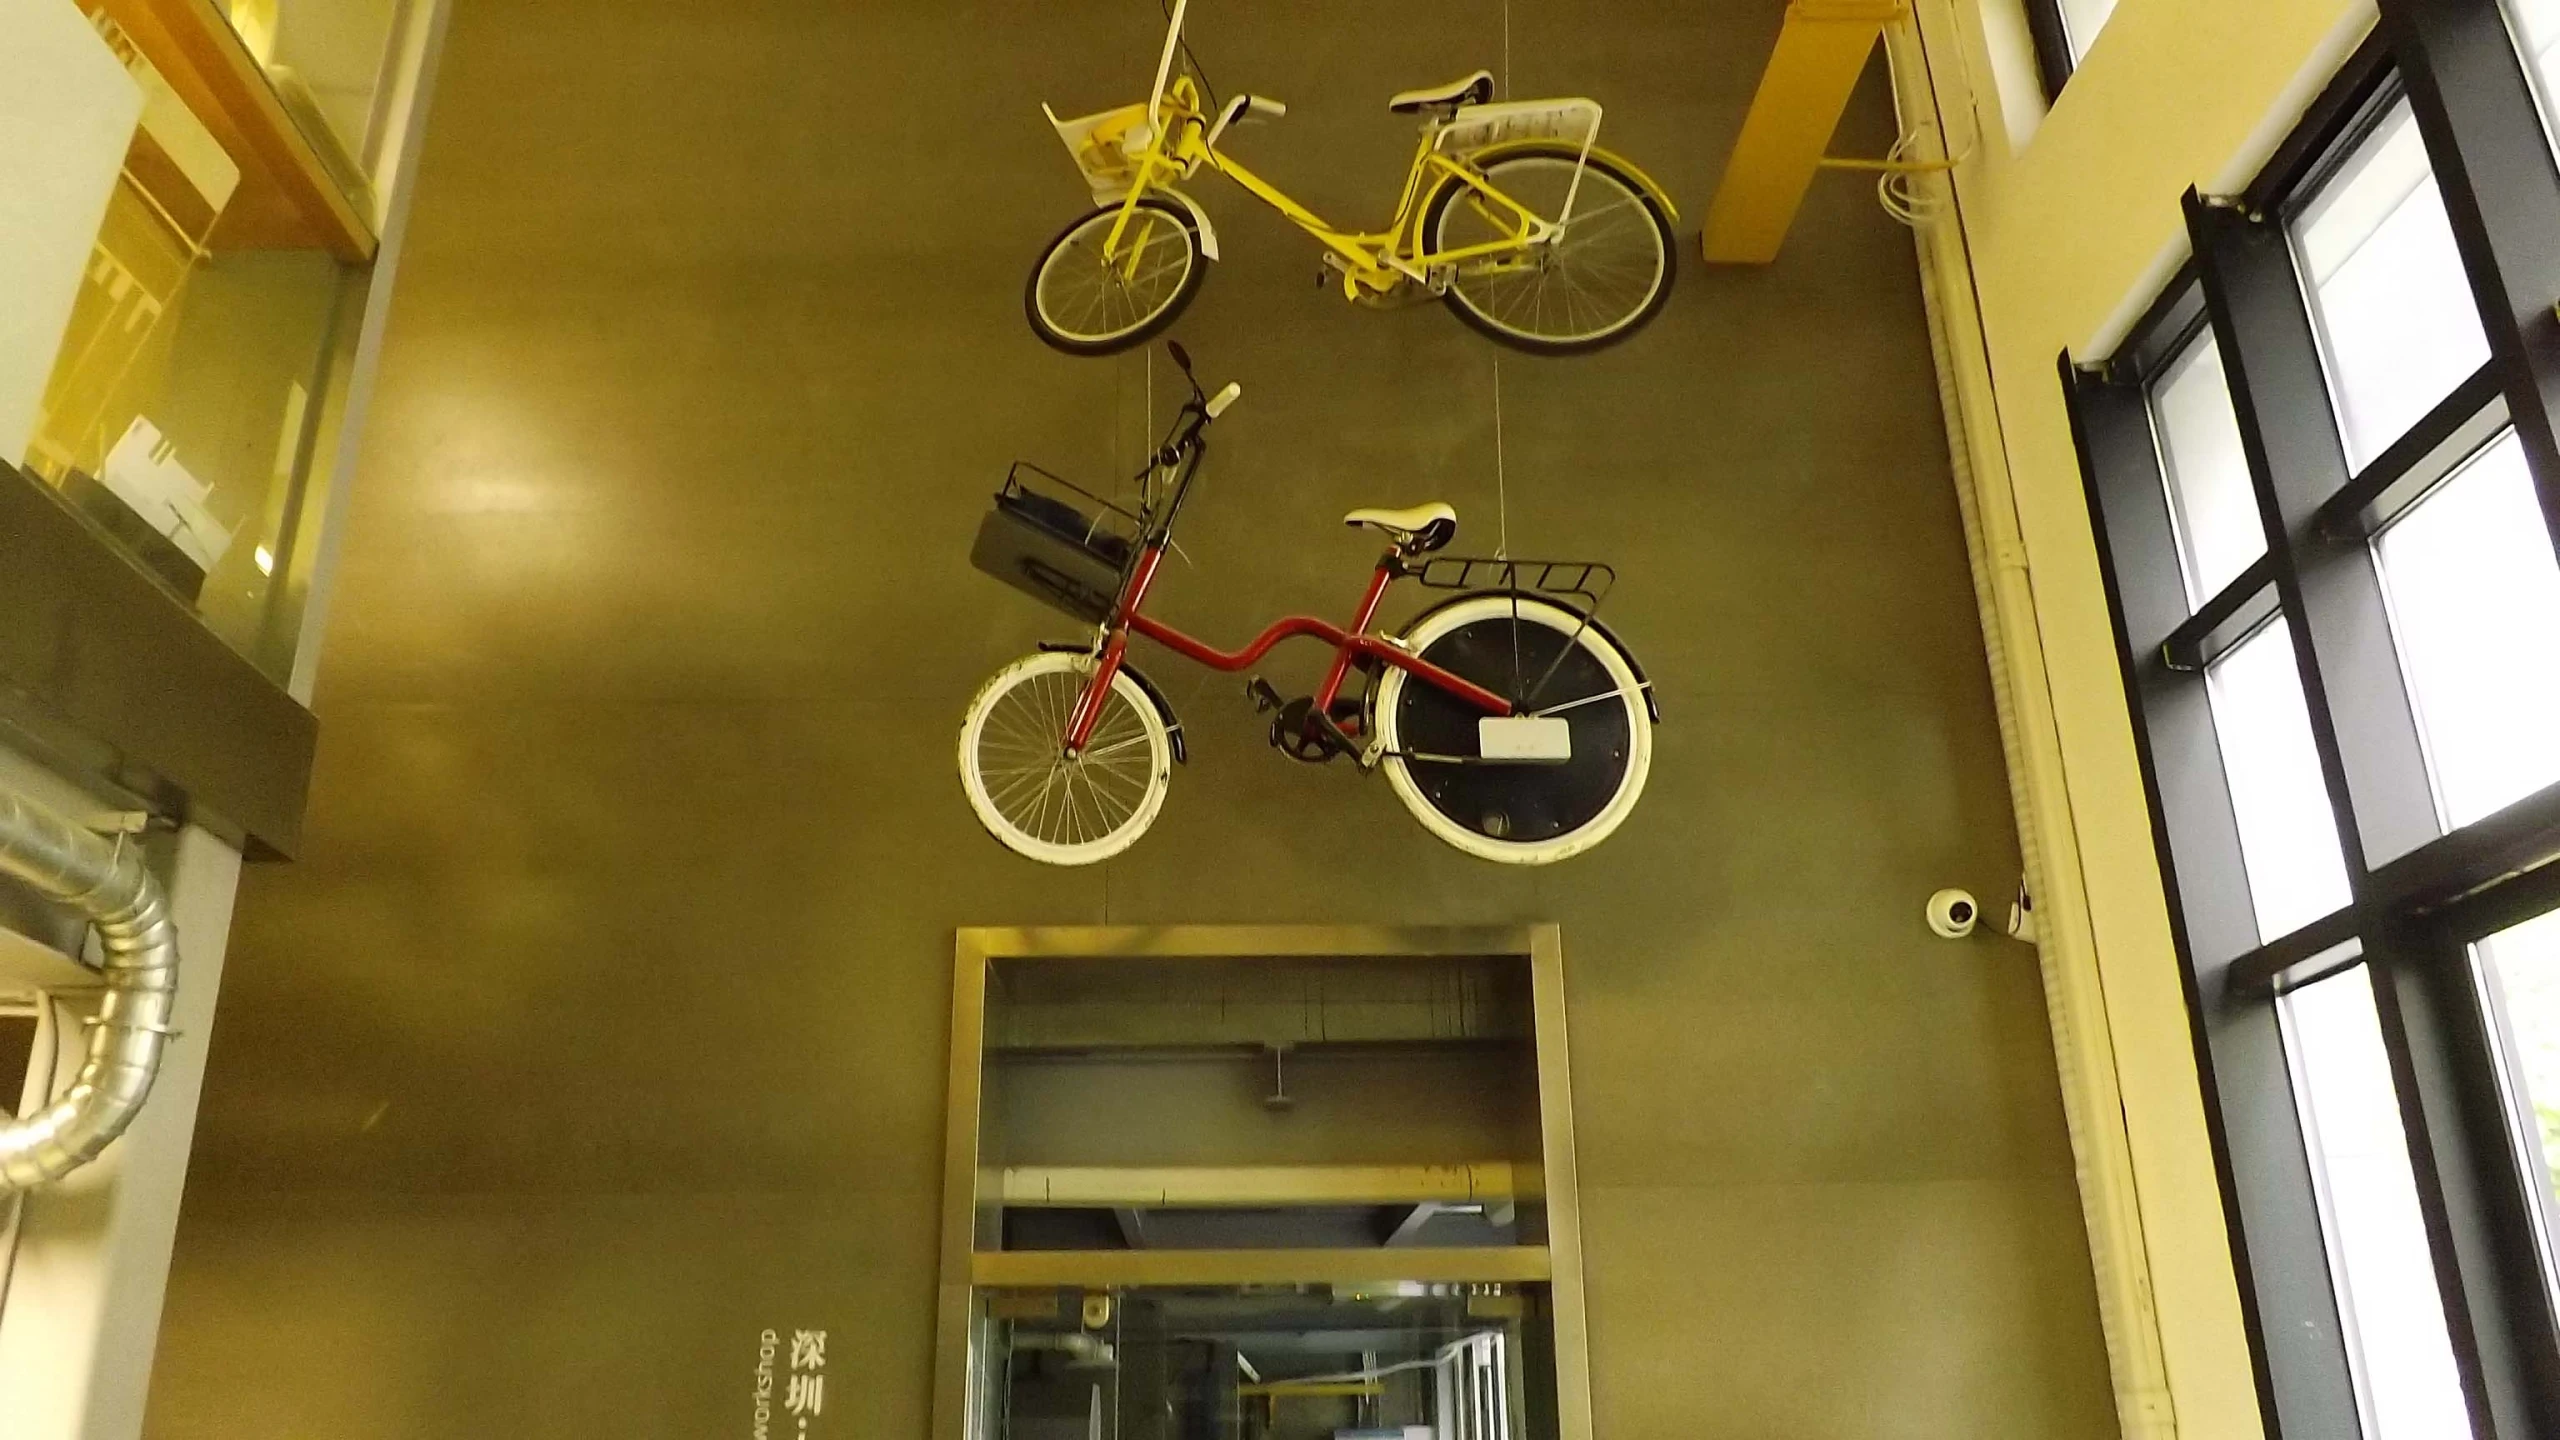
(1303,735)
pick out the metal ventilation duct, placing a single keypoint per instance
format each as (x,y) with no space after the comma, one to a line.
(107,882)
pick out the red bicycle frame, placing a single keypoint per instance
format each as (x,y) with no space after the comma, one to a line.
(1348,645)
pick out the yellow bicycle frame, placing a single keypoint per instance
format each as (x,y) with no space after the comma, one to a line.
(1375,261)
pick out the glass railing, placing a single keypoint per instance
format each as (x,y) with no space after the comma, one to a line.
(192,411)
(331,63)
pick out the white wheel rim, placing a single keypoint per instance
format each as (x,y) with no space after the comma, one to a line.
(1091,302)
(1596,279)
(1630,692)
(1035,800)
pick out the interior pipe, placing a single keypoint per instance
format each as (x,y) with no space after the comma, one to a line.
(108,883)
(2004,590)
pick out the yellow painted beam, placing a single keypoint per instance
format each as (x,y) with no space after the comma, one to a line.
(1103,1269)
(1311,1389)
(1150,1187)
(1820,54)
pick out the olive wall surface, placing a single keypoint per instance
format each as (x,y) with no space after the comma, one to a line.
(603,1025)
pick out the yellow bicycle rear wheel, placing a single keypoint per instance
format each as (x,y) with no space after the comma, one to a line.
(1594,284)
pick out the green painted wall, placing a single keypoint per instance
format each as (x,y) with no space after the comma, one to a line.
(603,1025)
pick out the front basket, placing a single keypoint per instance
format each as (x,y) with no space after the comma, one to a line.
(1058,543)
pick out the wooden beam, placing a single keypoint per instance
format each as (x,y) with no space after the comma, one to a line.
(1486,1182)
(287,199)
(1311,1389)
(1100,1269)
(1821,51)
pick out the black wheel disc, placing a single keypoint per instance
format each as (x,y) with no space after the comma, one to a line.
(1536,667)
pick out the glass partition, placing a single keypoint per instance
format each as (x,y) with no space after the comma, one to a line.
(195,399)
(331,63)
(1377,1361)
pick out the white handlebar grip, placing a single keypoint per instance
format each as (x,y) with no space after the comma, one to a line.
(1265,105)
(1219,402)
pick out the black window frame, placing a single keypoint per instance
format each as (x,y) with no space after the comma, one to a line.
(2419,897)
(2054,61)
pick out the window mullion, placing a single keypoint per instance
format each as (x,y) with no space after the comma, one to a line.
(2052,45)
(2486,140)
(2361,719)
(2446,1069)
(2303,1377)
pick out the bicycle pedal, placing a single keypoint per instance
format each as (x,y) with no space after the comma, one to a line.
(1265,699)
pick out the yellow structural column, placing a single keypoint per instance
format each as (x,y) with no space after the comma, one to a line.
(1820,54)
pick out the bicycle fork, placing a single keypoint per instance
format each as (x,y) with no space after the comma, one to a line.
(1097,692)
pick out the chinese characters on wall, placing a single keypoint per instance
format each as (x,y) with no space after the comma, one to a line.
(803,1380)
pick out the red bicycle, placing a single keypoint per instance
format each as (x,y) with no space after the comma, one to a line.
(1507,718)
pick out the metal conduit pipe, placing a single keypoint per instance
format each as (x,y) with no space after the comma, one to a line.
(106,881)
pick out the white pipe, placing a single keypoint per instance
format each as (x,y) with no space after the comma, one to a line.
(2084,1045)
(108,883)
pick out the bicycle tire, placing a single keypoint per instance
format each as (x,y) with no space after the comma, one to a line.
(1155,314)
(999,761)
(1474,310)
(1516,814)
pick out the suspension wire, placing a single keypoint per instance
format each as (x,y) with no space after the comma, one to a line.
(1208,92)
(1501,472)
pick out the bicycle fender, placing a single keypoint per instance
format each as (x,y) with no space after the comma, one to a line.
(1155,694)
(1651,187)
(1199,218)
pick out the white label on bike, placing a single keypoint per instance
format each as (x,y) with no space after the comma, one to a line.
(1524,737)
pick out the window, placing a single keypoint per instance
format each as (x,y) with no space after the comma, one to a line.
(2475,608)
(2334,573)
(2397,325)
(2210,502)
(2537,34)
(2081,21)
(2391,1315)
(2288,836)
(2519,967)
(2063,31)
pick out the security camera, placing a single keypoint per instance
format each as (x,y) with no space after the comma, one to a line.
(1953,914)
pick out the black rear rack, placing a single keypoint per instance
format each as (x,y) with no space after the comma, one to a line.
(1586,581)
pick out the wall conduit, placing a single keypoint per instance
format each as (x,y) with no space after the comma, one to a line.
(108,883)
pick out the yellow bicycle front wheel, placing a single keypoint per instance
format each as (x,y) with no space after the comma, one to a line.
(1598,281)
(1090,296)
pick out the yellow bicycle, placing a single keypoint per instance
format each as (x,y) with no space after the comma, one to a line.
(1511,214)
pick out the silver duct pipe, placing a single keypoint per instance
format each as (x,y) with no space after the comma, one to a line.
(106,881)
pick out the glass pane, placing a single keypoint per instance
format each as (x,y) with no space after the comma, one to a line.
(2288,834)
(2475,606)
(2081,22)
(2215,511)
(2397,324)
(2537,29)
(2388,1303)
(2522,965)
(1386,1359)
(198,386)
